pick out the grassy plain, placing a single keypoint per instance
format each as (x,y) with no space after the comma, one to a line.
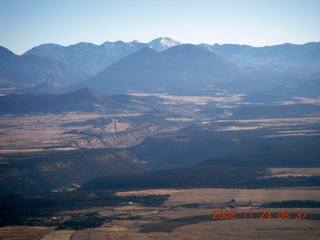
(74,130)
(36,132)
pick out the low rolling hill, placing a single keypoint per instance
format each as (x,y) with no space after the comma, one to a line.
(44,172)
(85,100)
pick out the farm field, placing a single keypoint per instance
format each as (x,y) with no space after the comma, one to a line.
(220,195)
(188,214)
(23,232)
(59,235)
(196,224)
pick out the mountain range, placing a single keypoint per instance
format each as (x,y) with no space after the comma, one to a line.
(30,70)
(92,58)
(248,56)
(179,69)
(162,64)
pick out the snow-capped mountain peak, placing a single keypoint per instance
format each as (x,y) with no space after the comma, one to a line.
(162,43)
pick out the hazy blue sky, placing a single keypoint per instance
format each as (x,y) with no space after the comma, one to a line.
(28,23)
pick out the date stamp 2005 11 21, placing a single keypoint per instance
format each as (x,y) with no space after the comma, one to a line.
(263,214)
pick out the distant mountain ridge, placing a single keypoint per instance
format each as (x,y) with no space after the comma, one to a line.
(285,55)
(94,58)
(30,70)
(66,66)
(5,55)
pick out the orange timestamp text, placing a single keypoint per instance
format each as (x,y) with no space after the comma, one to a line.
(262,214)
